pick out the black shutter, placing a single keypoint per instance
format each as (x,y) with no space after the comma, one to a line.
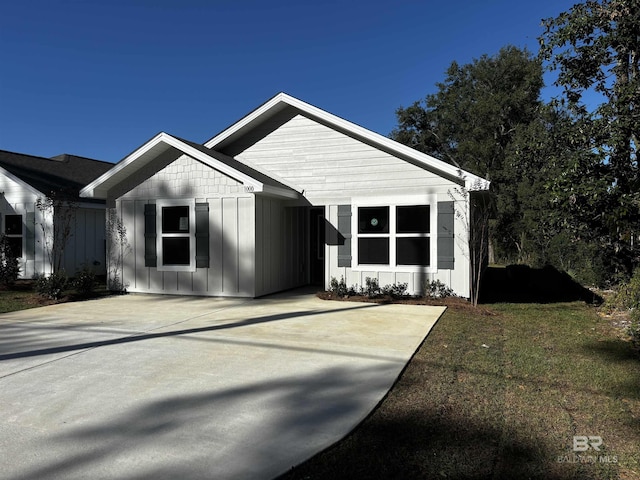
(446,217)
(344,228)
(202,235)
(150,236)
(30,241)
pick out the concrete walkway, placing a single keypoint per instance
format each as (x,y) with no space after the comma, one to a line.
(166,387)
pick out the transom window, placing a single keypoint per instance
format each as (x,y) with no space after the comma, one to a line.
(13,233)
(392,236)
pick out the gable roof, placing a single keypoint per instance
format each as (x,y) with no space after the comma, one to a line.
(64,174)
(211,152)
(253,180)
(282,101)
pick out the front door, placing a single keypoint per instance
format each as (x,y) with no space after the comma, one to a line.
(317,245)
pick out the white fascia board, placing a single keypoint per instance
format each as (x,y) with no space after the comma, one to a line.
(280,192)
(90,190)
(22,183)
(258,112)
(471,181)
(93,189)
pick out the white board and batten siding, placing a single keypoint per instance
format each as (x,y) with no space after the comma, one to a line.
(86,245)
(16,199)
(281,246)
(334,169)
(231,232)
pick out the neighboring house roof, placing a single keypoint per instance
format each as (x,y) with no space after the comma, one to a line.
(64,174)
(282,101)
(250,178)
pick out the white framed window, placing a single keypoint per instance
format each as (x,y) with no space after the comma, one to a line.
(176,238)
(394,236)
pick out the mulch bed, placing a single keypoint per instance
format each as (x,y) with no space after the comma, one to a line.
(455,303)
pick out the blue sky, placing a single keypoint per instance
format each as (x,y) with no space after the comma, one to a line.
(99,78)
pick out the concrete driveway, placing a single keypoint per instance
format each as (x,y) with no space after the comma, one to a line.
(153,387)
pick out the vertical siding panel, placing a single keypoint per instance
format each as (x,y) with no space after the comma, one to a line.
(276,247)
(79,240)
(259,239)
(246,266)
(129,219)
(184,282)
(216,270)
(136,239)
(100,240)
(230,245)
(266,243)
(170,282)
(288,243)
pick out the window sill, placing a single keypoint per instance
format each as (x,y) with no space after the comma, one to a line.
(395,269)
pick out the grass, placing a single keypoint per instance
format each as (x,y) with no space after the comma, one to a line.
(494,392)
(500,392)
(22,296)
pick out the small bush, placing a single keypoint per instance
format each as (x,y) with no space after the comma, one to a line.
(114,284)
(9,264)
(85,282)
(628,298)
(371,288)
(397,290)
(338,288)
(51,286)
(437,289)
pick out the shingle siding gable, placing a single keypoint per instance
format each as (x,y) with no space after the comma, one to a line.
(185,177)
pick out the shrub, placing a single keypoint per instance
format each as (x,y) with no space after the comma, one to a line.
(115,284)
(628,298)
(51,286)
(9,264)
(397,290)
(371,288)
(437,289)
(85,282)
(338,288)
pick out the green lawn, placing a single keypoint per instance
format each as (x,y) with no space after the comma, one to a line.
(500,392)
(22,296)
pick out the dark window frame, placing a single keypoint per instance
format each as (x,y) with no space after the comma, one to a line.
(14,239)
(373,227)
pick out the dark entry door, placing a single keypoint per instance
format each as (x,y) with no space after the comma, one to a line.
(317,243)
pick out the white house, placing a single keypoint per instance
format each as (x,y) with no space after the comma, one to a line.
(26,179)
(287,196)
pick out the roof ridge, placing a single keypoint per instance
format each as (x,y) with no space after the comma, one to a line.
(68,156)
(24,154)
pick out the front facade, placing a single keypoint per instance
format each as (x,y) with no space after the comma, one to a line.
(290,195)
(31,227)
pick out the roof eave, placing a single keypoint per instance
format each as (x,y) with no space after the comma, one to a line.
(21,182)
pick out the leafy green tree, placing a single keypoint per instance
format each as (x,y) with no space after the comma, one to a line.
(595,48)
(471,121)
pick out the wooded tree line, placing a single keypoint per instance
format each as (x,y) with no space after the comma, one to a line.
(564,172)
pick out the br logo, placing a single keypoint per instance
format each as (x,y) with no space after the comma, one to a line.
(582,443)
